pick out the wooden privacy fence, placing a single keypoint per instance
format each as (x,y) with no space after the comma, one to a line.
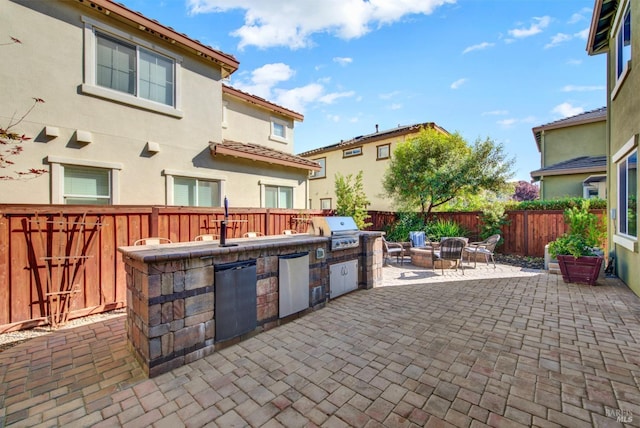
(60,261)
(525,233)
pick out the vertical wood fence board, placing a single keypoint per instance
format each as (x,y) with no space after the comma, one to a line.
(92,278)
(5,272)
(107,256)
(20,283)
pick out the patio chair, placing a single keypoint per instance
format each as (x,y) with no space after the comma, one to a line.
(450,249)
(393,248)
(152,240)
(252,234)
(207,237)
(289,232)
(485,248)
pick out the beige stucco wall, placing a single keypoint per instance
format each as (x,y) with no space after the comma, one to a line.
(624,120)
(373,171)
(247,124)
(49,64)
(567,143)
(561,186)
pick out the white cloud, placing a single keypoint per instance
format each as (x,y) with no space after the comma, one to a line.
(333,118)
(584,34)
(478,47)
(585,13)
(354,119)
(330,98)
(558,39)
(342,60)
(264,81)
(291,23)
(574,62)
(539,24)
(567,110)
(395,106)
(389,95)
(495,113)
(507,122)
(458,83)
(576,88)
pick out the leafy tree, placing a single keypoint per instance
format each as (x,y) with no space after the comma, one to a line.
(432,168)
(526,191)
(11,141)
(351,200)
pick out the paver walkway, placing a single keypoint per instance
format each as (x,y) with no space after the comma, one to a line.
(524,350)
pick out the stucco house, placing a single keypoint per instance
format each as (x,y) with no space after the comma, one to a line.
(614,32)
(369,153)
(572,156)
(137,113)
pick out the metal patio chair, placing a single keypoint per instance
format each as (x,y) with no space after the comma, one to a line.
(391,248)
(450,249)
(485,248)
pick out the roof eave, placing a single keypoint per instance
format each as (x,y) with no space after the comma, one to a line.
(217,149)
(566,171)
(262,103)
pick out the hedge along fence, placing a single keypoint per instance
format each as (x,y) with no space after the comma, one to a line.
(44,248)
(73,250)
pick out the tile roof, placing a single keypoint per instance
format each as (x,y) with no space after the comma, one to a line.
(597,115)
(254,99)
(375,136)
(577,165)
(262,154)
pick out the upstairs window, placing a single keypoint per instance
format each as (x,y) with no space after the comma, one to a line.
(134,70)
(623,43)
(323,172)
(356,151)
(278,130)
(383,152)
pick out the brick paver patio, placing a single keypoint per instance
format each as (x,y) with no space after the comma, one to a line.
(485,349)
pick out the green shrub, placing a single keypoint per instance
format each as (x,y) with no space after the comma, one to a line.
(407,222)
(441,228)
(557,204)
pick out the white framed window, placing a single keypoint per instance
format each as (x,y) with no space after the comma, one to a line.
(278,197)
(383,151)
(323,172)
(279,130)
(356,151)
(623,42)
(194,189)
(129,70)
(75,181)
(325,203)
(628,194)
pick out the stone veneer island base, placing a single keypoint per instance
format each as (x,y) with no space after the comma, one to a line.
(172,309)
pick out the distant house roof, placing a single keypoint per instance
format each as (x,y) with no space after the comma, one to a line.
(604,12)
(597,115)
(376,136)
(152,27)
(254,99)
(262,154)
(579,165)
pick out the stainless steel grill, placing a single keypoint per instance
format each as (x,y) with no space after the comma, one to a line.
(343,231)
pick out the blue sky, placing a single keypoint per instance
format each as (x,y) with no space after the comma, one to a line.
(484,68)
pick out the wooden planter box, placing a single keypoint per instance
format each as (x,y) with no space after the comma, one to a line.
(580,270)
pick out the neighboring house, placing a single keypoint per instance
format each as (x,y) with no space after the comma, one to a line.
(367,153)
(615,30)
(137,113)
(572,156)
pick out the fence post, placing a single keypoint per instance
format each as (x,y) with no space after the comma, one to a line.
(526,233)
(153,221)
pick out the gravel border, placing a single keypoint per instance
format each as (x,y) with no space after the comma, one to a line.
(13,338)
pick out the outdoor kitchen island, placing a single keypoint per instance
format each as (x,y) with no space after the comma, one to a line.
(185,300)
